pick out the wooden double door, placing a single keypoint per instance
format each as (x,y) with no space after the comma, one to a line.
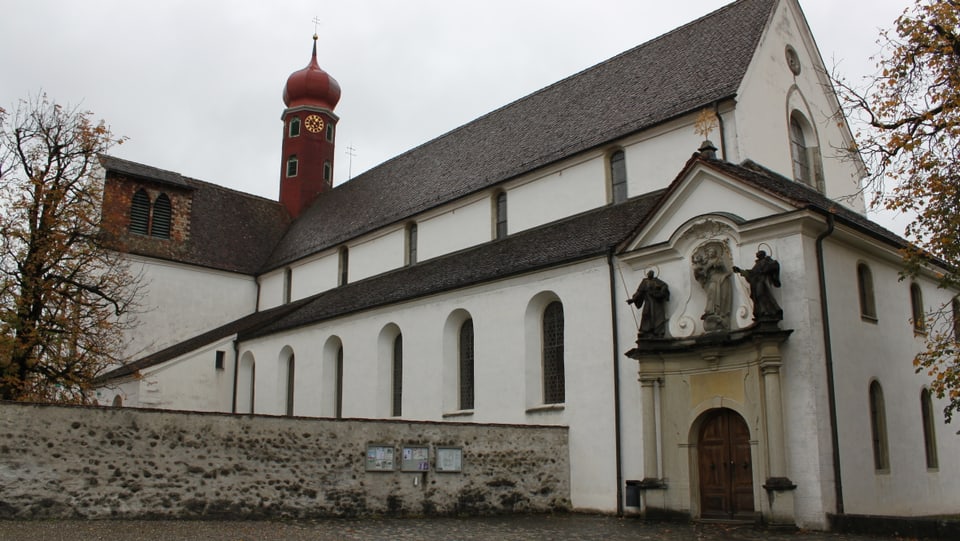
(725,465)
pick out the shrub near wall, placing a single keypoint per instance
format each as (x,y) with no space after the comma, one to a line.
(90,462)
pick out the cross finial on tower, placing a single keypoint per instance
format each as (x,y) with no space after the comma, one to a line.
(316,25)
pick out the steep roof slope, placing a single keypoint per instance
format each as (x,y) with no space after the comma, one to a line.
(229,230)
(692,66)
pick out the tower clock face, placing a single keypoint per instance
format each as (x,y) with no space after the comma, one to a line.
(313,123)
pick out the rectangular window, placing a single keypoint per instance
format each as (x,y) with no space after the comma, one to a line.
(219,363)
(501,215)
(411,244)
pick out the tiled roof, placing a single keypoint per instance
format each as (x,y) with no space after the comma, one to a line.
(229,230)
(804,196)
(141,171)
(257,319)
(587,235)
(693,66)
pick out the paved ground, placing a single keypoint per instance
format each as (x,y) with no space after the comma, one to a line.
(512,528)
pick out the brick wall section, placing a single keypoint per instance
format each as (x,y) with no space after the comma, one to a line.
(58,461)
(117,199)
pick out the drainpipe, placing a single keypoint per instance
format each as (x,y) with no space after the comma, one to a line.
(828,358)
(236,374)
(614,321)
(723,136)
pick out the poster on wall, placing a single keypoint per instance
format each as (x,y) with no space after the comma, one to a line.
(449,459)
(415,458)
(379,458)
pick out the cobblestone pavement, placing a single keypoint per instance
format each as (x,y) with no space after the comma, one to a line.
(508,528)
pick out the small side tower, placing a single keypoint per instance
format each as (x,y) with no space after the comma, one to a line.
(309,135)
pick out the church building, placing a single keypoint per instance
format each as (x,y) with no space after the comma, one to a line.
(666,252)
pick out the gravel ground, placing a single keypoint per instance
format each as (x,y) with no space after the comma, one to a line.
(509,528)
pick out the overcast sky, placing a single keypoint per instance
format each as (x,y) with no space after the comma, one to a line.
(196,85)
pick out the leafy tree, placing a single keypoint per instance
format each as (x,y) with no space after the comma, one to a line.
(64,298)
(911,144)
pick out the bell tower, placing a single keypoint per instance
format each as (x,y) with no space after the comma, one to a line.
(309,135)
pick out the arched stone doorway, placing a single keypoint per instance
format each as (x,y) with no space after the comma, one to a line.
(725,466)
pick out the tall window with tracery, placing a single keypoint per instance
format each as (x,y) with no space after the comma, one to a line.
(552,340)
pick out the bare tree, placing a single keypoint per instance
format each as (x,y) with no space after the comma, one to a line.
(65,300)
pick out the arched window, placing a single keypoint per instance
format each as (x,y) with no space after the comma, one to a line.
(918,316)
(955,307)
(329,131)
(160,224)
(500,210)
(140,213)
(868,307)
(292,166)
(118,401)
(618,176)
(338,399)
(798,148)
(878,428)
(466,365)
(553,370)
(290,379)
(294,127)
(246,384)
(411,244)
(327,172)
(397,380)
(929,433)
(344,266)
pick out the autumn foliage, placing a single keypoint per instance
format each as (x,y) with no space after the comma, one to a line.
(911,144)
(64,298)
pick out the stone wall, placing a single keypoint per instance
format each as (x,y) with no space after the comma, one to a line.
(58,461)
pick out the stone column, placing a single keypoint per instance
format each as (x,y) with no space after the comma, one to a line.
(778,486)
(648,387)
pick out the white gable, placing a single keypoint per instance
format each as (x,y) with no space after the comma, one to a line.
(702,191)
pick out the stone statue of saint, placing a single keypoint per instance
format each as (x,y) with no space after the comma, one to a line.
(712,272)
(651,298)
(763,277)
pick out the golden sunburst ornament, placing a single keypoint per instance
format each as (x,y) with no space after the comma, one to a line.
(706,122)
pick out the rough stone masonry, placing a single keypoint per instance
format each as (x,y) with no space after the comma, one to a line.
(92,462)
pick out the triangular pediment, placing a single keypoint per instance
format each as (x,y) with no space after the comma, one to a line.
(702,190)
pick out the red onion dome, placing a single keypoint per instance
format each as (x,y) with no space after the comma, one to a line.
(311,86)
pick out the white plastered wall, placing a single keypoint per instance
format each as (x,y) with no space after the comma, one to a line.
(768,94)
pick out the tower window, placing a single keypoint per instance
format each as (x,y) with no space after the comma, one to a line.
(292,166)
(330,131)
(294,127)
(327,172)
(140,213)
(618,176)
(152,220)
(160,224)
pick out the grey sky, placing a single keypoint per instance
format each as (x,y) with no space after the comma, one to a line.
(196,85)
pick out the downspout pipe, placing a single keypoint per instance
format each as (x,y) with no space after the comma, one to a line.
(236,373)
(723,135)
(828,359)
(615,337)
